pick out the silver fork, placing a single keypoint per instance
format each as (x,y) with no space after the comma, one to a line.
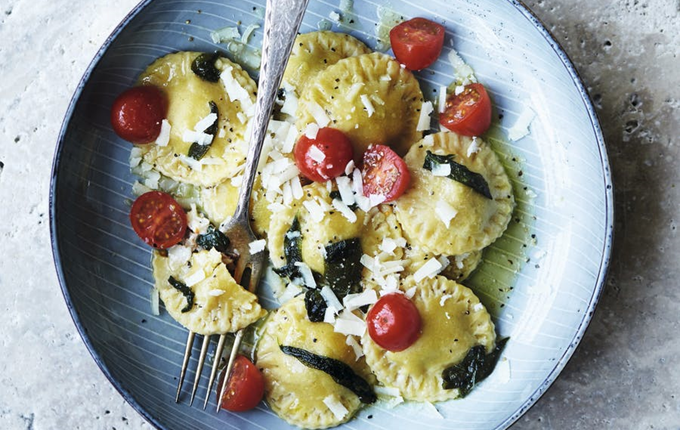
(281,24)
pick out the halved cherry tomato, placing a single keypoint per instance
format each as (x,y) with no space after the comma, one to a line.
(245,386)
(137,113)
(468,113)
(158,219)
(417,42)
(384,173)
(325,156)
(394,322)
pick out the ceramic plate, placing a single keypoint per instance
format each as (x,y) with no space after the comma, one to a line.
(540,281)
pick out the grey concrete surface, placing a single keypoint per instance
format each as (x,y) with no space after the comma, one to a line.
(625,374)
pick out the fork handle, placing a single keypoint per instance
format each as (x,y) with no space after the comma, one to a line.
(282,19)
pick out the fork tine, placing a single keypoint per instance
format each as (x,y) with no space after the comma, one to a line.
(216,364)
(230,366)
(199,368)
(185,362)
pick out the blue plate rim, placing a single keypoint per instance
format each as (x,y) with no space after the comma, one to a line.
(560,363)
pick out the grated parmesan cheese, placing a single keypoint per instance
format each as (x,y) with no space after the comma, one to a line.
(307,276)
(358,351)
(355,301)
(164,136)
(206,122)
(195,278)
(330,298)
(345,210)
(319,114)
(316,211)
(474,147)
(521,127)
(443,169)
(442,99)
(349,324)
(336,407)
(428,270)
(424,119)
(353,91)
(257,246)
(316,154)
(445,212)
(370,110)
(311,132)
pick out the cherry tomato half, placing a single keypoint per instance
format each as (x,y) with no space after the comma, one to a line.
(325,156)
(245,387)
(394,322)
(468,113)
(417,42)
(384,173)
(158,219)
(137,113)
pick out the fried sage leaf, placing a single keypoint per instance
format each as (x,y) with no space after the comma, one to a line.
(459,173)
(213,238)
(182,288)
(292,250)
(336,369)
(315,305)
(204,67)
(343,267)
(474,368)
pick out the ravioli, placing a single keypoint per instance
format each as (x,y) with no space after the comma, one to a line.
(453,321)
(219,203)
(220,304)
(478,221)
(297,392)
(316,235)
(313,52)
(189,100)
(370,98)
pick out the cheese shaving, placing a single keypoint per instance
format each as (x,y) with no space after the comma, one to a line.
(311,132)
(195,278)
(358,351)
(164,136)
(521,127)
(445,212)
(316,154)
(330,298)
(319,114)
(424,119)
(355,301)
(257,246)
(443,169)
(307,275)
(473,148)
(428,270)
(370,110)
(336,407)
(345,210)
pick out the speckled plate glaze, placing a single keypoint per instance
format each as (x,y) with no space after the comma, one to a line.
(541,280)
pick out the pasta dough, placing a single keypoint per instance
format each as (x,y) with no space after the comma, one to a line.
(370,98)
(453,321)
(297,392)
(478,221)
(313,52)
(188,102)
(220,304)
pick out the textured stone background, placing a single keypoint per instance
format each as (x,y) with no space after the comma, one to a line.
(625,374)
